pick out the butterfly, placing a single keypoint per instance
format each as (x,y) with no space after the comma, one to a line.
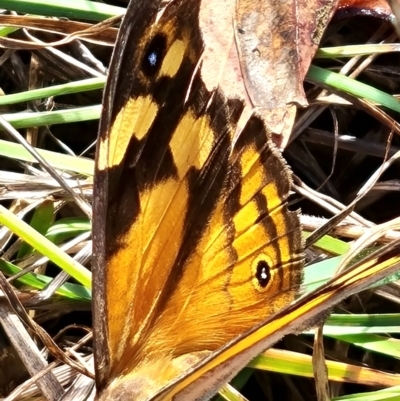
(193,240)
(197,260)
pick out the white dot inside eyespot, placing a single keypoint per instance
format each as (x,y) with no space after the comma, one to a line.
(152,59)
(263,274)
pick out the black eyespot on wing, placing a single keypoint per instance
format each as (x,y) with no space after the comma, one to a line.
(154,55)
(263,274)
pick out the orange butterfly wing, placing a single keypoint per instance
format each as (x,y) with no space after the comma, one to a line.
(193,241)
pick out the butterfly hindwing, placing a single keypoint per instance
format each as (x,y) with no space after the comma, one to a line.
(193,241)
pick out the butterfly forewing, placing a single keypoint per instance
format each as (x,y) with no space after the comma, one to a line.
(193,241)
(132,171)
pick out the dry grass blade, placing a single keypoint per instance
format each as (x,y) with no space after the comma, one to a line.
(319,367)
(38,330)
(101,33)
(345,229)
(27,350)
(10,129)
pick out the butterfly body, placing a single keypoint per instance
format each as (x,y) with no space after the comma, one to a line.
(193,241)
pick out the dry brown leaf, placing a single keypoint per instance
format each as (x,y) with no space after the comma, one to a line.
(276,42)
(261,52)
